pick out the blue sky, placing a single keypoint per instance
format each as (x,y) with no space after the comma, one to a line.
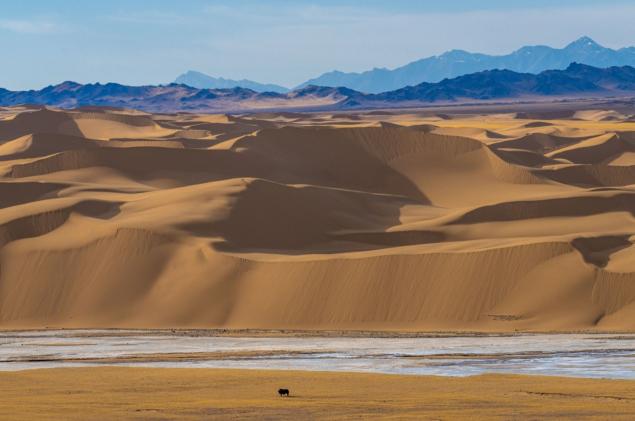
(277,41)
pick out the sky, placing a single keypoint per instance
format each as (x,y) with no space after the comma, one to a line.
(286,42)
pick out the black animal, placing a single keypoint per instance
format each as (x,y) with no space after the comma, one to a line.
(283,392)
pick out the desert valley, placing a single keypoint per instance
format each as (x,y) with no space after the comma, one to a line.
(287,240)
(304,210)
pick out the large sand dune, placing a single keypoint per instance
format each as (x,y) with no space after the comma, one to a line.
(404,221)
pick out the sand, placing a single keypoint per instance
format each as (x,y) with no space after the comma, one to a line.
(144,393)
(402,221)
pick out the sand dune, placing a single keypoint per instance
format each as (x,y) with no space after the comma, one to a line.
(592,151)
(407,221)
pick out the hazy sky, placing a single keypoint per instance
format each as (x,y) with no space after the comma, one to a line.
(277,41)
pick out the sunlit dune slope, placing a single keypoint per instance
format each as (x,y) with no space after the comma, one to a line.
(404,221)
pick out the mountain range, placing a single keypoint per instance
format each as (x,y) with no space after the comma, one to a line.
(203,81)
(577,80)
(528,59)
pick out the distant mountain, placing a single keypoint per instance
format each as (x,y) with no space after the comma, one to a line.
(533,59)
(577,80)
(171,98)
(203,81)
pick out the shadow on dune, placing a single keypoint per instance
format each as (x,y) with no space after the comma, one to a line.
(294,156)
(42,223)
(40,121)
(272,216)
(12,194)
(545,208)
(597,250)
